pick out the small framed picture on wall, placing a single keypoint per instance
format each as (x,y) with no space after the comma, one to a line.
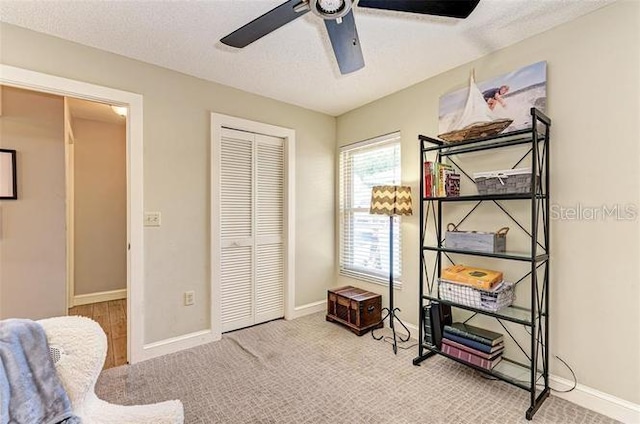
(8,175)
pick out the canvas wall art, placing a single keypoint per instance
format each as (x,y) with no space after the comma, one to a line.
(502,103)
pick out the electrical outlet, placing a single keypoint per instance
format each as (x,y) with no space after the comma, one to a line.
(189,298)
(152,219)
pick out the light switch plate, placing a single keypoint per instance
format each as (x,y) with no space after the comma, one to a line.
(152,219)
(189,298)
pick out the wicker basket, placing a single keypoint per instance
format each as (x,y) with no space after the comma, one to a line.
(504,182)
(500,297)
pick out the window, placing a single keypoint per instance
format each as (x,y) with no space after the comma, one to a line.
(364,238)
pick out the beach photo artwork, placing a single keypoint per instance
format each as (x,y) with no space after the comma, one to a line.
(501,104)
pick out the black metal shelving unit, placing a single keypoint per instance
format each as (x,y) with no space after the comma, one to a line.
(533,374)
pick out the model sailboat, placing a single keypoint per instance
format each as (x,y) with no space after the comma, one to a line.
(477,119)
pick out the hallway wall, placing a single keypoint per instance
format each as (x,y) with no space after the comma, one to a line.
(32,244)
(100,203)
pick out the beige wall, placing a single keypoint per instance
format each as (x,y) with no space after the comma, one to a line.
(100,206)
(32,242)
(593,100)
(176,172)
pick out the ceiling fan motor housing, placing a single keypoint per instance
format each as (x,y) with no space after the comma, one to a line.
(330,9)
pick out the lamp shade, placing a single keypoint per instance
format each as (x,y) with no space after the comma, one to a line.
(391,200)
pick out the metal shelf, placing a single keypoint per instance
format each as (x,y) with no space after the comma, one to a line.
(487,197)
(534,142)
(525,134)
(506,370)
(515,314)
(514,256)
(513,138)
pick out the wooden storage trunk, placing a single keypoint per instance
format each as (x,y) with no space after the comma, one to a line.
(357,309)
(476,241)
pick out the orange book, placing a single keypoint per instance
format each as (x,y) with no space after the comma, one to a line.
(484,279)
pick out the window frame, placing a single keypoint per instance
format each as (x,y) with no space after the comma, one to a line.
(344,210)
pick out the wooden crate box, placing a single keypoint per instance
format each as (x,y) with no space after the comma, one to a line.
(357,309)
(476,241)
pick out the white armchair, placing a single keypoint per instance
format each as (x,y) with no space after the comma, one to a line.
(78,347)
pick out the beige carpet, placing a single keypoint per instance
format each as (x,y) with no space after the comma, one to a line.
(312,371)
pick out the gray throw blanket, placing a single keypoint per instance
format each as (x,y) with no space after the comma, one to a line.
(30,390)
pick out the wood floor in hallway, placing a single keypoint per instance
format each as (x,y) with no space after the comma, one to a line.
(112,317)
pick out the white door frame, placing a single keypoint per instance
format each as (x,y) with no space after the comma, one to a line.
(69,161)
(218,122)
(27,79)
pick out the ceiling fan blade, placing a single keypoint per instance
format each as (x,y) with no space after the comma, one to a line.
(266,23)
(345,43)
(450,8)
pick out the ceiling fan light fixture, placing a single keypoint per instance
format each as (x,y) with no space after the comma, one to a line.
(330,9)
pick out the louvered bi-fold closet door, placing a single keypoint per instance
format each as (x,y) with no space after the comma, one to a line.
(269,275)
(236,230)
(252,258)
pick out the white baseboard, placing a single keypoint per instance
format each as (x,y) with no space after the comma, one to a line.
(105,296)
(175,344)
(187,341)
(595,400)
(308,309)
(587,397)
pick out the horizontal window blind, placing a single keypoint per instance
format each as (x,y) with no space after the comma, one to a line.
(364,238)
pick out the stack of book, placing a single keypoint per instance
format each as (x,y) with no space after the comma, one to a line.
(440,180)
(473,345)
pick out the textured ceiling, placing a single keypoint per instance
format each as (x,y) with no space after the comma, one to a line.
(295,63)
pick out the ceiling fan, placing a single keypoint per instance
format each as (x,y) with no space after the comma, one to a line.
(341,26)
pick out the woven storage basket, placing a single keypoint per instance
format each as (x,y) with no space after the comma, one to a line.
(502,296)
(504,182)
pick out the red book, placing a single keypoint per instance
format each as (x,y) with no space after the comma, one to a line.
(470,358)
(474,351)
(428,179)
